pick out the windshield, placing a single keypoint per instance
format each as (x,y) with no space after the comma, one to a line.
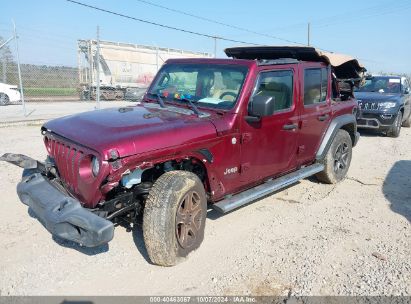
(381,85)
(215,86)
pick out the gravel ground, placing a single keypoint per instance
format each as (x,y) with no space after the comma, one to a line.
(310,239)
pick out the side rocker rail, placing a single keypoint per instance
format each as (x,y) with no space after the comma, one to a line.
(267,188)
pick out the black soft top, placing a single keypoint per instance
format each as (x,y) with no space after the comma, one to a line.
(345,67)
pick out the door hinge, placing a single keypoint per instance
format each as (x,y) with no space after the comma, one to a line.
(303,123)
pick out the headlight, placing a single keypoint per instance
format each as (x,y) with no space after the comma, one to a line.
(387,105)
(95,165)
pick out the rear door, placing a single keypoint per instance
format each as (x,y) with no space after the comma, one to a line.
(269,146)
(315,111)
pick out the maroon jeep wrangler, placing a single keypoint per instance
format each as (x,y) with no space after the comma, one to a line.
(223,132)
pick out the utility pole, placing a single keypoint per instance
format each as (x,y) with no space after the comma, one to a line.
(215,47)
(90,68)
(98,69)
(308,33)
(19,70)
(157,54)
(4,67)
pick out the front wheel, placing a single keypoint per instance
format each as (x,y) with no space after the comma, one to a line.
(337,160)
(174,217)
(396,126)
(4,99)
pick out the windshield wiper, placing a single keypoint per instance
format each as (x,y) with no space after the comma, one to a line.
(160,100)
(192,105)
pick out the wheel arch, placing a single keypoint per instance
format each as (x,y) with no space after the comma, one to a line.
(203,163)
(345,122)
(200,166)
(351,128)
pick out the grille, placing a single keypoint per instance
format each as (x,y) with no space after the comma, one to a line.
(67,159)
(368,105)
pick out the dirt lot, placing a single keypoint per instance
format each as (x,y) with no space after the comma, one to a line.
(310,239)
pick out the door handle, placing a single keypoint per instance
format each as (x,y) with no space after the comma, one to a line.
(323,117)
(290,127)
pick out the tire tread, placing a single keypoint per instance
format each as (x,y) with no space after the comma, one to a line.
(159,216)
(328,176)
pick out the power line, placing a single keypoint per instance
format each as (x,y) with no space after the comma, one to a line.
(189,31)
(244,29)
(370,14)
(218,22)
(343,17)
(159,24)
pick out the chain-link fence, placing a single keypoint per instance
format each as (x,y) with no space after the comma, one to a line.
(80,67)
(9,77)
(40,81)
(20,82)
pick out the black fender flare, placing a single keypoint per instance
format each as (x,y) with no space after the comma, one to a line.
(336,124)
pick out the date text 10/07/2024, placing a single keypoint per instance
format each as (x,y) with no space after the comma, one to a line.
(203,299)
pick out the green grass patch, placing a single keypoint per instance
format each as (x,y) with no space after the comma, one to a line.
(50,92)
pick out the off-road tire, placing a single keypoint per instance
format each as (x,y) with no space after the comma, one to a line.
(407,122)
(338,159)
(396,126)
(161,223)
(4,99)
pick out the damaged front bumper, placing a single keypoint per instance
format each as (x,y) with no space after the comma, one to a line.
(63,215)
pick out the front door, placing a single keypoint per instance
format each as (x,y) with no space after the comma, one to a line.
(269,146)
(315,111)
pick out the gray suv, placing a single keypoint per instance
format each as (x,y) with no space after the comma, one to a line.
(385,104)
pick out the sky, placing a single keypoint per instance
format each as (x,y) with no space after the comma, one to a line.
(377,32)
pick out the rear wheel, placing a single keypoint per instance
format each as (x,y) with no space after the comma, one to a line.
(396,126)
(174,217)
(4,99)
(337,160)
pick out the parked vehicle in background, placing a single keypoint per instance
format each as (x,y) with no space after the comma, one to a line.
(223,132)
(134,94)
(385,103)
(123,66)
(9,94)
(108,93)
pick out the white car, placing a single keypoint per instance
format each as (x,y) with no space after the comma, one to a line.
(9,93)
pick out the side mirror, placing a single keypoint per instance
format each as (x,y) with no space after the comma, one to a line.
(407,91)
(260,106)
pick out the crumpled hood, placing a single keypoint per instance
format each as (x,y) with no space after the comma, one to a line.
(376,97)
(132,130)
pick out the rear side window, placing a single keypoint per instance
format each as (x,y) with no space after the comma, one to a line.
(324,84)
(315,86)
(277,84)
